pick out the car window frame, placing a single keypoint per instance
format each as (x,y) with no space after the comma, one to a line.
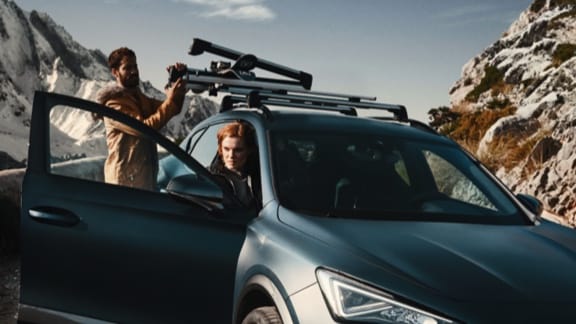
(39,153)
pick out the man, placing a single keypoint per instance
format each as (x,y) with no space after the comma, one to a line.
(132,159)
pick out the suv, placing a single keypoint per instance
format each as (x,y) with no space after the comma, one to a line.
(364,220)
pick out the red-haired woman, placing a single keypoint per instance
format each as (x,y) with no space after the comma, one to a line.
(237,162)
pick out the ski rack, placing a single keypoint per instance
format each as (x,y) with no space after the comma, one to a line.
(246,89)
(248,62)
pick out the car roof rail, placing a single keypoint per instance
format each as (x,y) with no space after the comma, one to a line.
(244,86)
(423,126)
(412,122)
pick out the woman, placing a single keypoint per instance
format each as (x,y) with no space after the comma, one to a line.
(236,162)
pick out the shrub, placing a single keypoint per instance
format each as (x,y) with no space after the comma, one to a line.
(498,104)
(568,14)
(528,82)
(442,119)
(533,84)
(563,53)
(555,23)
(561,3)
(492,78)
(537,5)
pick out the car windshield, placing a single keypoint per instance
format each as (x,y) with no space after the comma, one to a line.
(356,175)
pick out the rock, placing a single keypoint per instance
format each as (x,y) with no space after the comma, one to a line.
(7,162)
(10,193)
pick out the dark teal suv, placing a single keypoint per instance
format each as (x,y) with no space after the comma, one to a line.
(363,220)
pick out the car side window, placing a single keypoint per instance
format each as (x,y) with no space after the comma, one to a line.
(207,146)
(79,149)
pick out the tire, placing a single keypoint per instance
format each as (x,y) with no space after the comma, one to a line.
(263,315)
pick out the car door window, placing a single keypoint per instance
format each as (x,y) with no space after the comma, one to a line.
(78,149)
(77,144)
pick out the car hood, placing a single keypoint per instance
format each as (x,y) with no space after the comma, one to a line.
(467,262)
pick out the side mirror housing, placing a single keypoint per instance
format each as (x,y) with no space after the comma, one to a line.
(192,188)
(532,203)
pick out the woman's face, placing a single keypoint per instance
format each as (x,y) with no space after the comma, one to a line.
(234,153)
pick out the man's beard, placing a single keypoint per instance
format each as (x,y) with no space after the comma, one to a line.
(131,81)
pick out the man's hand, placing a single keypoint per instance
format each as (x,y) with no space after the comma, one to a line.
(177,90)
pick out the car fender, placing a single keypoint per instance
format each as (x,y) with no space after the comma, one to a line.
(273,289)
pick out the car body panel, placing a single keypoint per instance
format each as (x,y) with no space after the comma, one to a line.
(443,257)
(469,270)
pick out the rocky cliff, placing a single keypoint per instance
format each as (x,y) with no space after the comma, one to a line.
(523,84)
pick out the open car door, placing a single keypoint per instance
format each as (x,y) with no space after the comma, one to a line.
(94,251)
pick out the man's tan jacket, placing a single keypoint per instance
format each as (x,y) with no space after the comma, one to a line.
(132,159)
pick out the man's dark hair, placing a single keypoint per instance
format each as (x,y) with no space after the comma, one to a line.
(115,58)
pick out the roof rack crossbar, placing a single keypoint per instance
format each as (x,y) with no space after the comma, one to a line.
(349,97)
(289,100)
(284,103)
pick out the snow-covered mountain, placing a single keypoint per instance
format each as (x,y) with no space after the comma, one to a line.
(38,54)
(531,68)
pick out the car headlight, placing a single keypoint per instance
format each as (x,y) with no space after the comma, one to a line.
(351,300)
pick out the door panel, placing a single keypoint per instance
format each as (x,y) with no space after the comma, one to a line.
(116,253)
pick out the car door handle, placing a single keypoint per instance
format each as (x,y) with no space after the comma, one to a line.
(54,216)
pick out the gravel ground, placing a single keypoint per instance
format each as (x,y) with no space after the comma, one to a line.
(9,288)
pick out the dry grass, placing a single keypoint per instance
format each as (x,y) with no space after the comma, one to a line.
(512,150)
(471,127)
(562,53)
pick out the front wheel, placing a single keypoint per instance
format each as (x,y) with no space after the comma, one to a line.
(263,315)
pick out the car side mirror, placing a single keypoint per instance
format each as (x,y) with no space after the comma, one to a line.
(532,203)
(192,188)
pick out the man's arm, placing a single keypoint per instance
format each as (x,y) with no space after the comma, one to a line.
(175,94)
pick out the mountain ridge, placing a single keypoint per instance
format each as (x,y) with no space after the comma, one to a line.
(39,54)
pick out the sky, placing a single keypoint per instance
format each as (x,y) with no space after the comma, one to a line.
(407,52)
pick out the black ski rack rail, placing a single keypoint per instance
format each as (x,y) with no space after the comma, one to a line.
(246,89)
(247,62)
